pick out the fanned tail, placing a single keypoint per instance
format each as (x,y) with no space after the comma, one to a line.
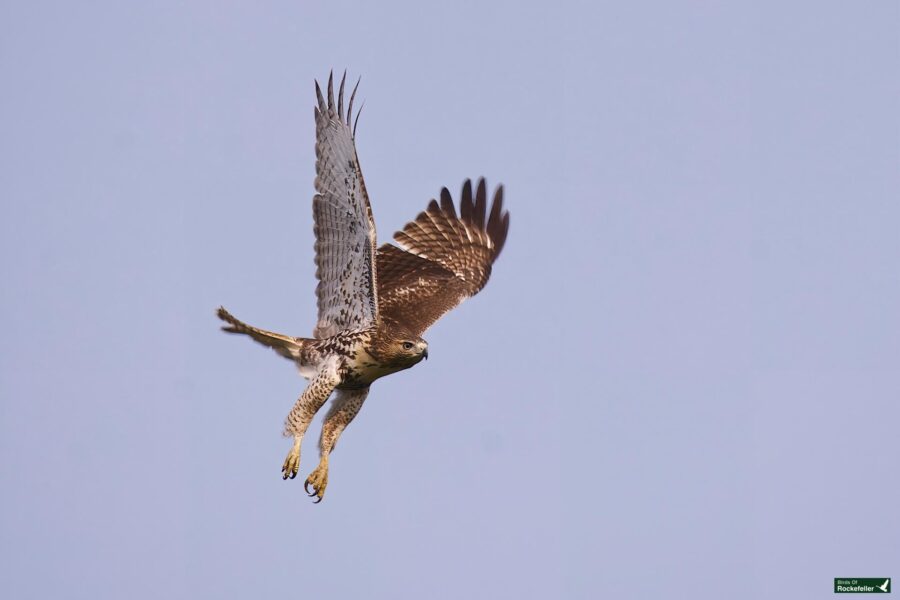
(285,345)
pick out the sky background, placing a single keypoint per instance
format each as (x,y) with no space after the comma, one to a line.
(681,381)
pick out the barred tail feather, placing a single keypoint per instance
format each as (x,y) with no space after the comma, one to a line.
(285,345)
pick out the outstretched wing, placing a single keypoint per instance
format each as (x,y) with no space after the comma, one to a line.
(442,258)
(344,227)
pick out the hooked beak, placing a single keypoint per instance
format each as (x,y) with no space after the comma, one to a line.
(425,353)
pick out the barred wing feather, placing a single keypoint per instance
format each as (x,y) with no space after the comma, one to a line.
(344,227)
(440,258)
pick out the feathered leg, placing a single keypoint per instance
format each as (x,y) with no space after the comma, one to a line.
(345,406)
(301,415)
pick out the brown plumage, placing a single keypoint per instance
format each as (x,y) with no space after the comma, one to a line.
(442,259)
(373,304)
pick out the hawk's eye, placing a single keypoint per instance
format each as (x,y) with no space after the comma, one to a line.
(407,345)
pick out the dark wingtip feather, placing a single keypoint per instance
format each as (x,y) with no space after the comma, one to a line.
(498,222)
(331,90)
(322,107)
(465,203)
(447,203)
(496,211)
(480,203)
(341,98)
(356,121)
(352,96)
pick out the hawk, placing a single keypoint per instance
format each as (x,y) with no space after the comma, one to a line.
(374,303)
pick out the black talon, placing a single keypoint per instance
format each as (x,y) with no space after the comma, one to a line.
(317,501)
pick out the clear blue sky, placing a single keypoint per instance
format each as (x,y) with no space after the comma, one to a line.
(682,380)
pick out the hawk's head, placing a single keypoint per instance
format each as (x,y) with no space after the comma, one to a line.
(407,351)
(401,349)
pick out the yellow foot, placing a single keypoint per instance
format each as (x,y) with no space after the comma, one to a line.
(318,479)
(291,463)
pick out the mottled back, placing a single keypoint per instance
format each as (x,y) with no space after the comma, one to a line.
(442,258)
(344,227)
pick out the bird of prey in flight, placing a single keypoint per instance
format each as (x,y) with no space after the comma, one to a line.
(374,302)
